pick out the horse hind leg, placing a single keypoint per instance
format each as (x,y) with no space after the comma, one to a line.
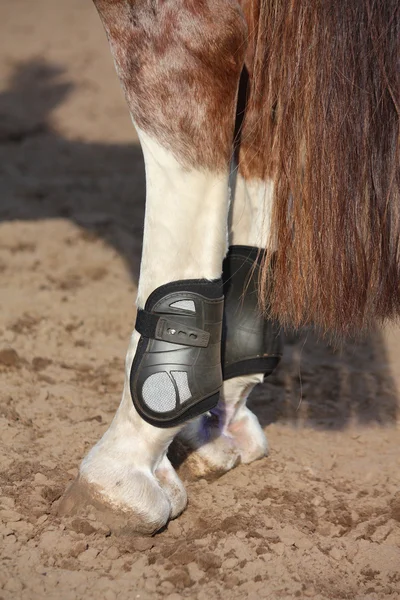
(179,64)
(262,340)
(212,445)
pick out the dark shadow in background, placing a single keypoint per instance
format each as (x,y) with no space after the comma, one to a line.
(101,188)
(324,387)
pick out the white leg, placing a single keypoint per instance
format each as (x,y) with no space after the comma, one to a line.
(250,225)
(185,236)
(233,434)
(250,217)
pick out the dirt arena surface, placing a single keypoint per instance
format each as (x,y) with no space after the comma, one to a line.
(319,518)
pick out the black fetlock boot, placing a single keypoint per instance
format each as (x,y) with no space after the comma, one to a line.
(251,343)
(176,373)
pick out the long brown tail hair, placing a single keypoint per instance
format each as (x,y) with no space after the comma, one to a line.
(323,122)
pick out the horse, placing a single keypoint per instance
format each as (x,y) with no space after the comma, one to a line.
(270,135)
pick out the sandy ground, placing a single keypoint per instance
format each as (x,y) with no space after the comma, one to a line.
(319,518)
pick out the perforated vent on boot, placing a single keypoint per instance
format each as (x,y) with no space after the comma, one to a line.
(159,392)
(181,380)
(184,305)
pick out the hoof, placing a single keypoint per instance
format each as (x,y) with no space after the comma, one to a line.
(202,451)
(133,502)
(83,498)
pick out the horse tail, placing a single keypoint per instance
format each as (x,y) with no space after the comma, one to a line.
(322,122)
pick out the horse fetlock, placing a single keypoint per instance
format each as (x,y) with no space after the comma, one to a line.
(250,439)
(252,343)
(176,373)
(215,443)
(240,422)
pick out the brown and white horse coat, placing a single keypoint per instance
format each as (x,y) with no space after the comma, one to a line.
(315,132)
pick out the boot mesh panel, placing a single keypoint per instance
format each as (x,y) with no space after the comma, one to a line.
(181,380)
(159,392)
(184,305)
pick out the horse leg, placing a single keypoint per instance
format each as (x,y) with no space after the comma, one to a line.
(233,433)
(250,228)
(179,63)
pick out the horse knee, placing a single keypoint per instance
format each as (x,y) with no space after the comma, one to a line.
(179,64)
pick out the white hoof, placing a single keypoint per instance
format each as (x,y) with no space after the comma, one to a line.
(204,451)
(147,511)
(124,491)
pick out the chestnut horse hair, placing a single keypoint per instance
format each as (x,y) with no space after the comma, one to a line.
(322,121)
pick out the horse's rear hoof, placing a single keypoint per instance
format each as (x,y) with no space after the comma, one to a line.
(195,458)
(201,450)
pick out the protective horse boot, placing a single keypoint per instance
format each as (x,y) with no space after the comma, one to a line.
(251,343)
(176,373)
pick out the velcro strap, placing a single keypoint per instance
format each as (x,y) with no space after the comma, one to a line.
(160,327)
